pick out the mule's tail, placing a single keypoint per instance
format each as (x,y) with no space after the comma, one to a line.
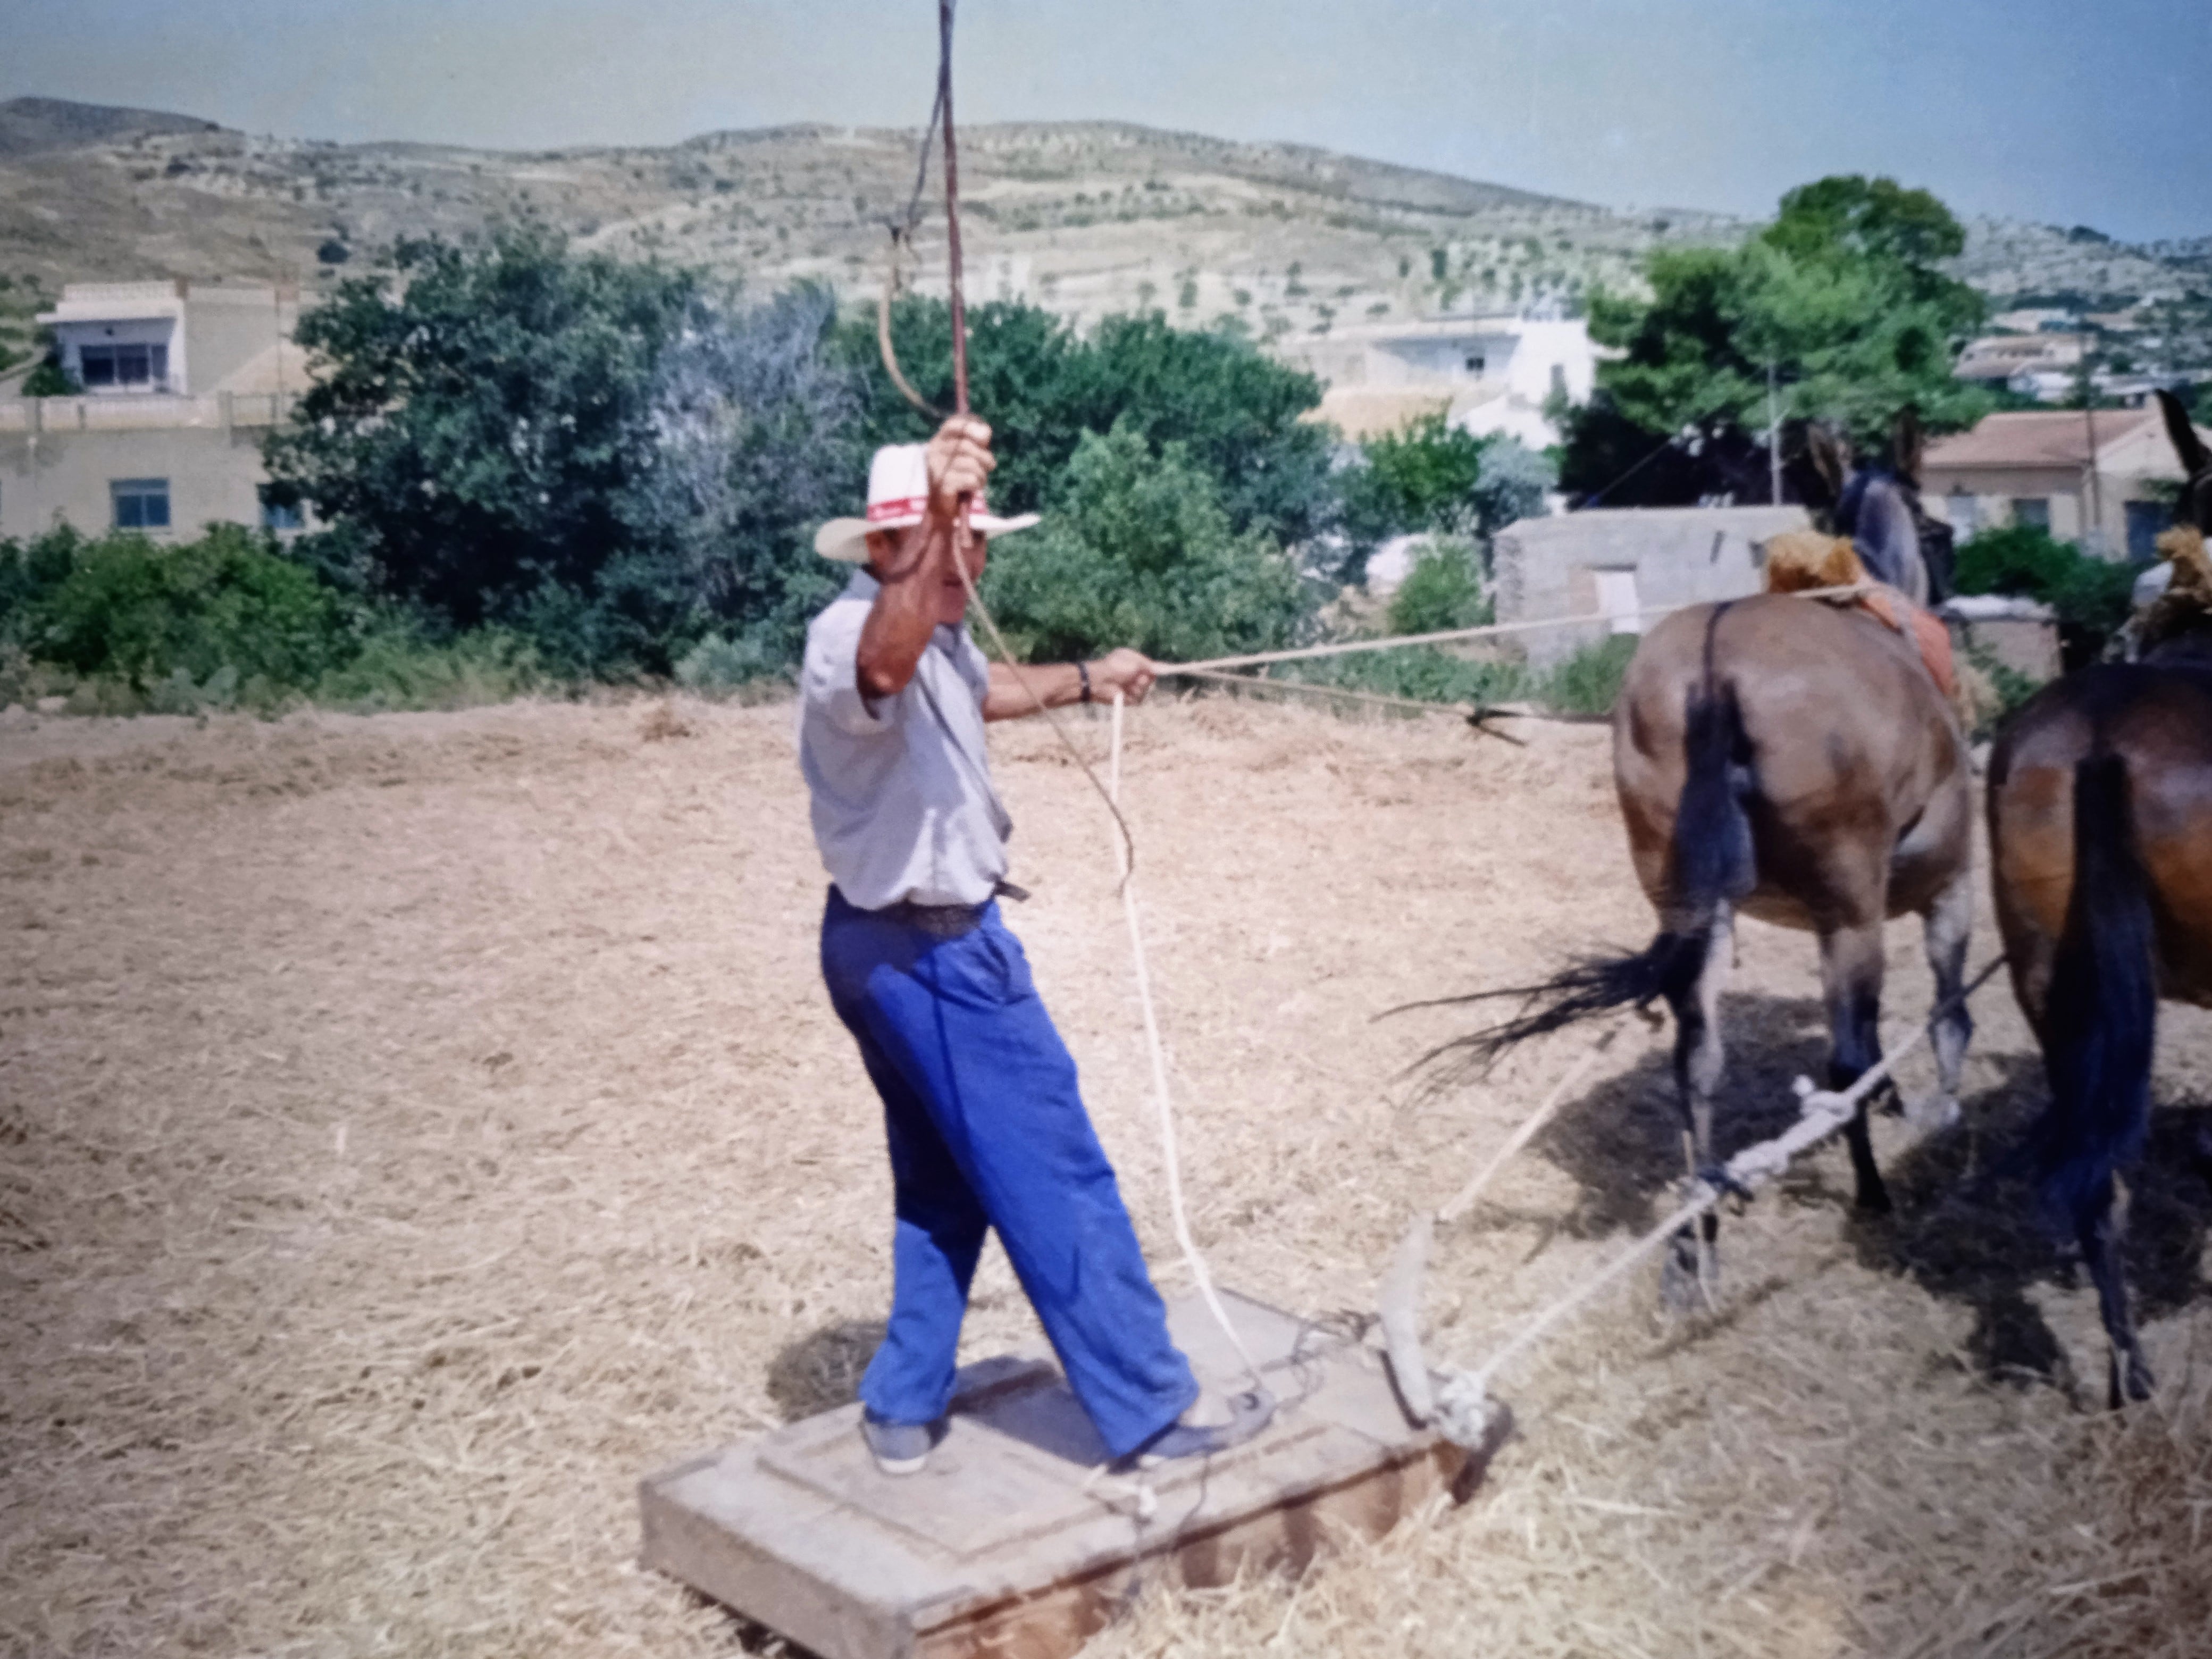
(2100,1018)
(1708,863)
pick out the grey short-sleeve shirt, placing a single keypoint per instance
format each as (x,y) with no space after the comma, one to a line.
(903,806)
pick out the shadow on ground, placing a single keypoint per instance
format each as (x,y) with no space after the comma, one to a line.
(1622,1141)
(1966,1225)
(1970,1227)
(822,1369)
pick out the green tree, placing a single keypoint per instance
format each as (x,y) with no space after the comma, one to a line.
(1436,477)
(1421,478)
(1443,590)
(1840,296)
(1141,551)
(755,438)
(1235,411)
(479,417)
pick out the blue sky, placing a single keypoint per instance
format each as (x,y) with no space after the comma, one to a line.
(2066,112)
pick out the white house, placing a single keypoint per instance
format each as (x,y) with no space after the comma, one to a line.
(1485,375)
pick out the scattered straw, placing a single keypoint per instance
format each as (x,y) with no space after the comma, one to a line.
(414,1129)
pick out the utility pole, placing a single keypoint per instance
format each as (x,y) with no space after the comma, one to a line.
(1773,441)
(2093,533)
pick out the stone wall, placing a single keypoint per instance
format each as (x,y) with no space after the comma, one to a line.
(1626,559)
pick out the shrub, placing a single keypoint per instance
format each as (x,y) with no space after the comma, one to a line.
(719,664)
(29,572)
(401,663)
(1443,590)
(1422,673)
(1585,683)
(51,379)
(2092,596)
(129,610)
(1588,682)
(121,625)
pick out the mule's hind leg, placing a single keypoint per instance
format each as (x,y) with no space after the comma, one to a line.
(2100,1222)
(1850,980)
(1948,922)
(1688,1277)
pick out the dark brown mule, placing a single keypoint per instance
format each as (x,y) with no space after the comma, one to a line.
(1793,762)
(2100,839)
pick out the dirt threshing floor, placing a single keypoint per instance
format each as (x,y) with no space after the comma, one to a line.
(415,1128)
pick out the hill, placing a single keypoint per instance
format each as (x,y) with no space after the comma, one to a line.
(28,125)
(1083,218)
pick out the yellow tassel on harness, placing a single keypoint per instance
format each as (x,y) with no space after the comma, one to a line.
(1797,559)
(2186,604)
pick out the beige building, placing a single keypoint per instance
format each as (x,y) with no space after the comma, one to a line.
(2036,469)
(2003,359)
(181,383)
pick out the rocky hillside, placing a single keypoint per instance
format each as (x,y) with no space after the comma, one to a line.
(1083,218)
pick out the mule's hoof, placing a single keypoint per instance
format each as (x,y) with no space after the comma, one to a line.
(1933,1113)
(2141,1383)
(1682,1289)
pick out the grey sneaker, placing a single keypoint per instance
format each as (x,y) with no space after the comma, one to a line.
(899,1448)
(1249,1414)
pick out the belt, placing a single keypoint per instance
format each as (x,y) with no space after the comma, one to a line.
(948,920)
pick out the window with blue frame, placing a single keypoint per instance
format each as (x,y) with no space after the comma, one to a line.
(278,515)
(141,503)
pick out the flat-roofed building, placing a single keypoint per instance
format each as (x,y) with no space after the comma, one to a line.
(1484,375)
(179,384)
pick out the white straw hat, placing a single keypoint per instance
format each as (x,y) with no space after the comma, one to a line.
(898,496)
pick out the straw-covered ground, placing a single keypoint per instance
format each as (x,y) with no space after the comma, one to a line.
(413,1129)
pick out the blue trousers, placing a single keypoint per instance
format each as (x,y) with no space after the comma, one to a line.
(986,1129)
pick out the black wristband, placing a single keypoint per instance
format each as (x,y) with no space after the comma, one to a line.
(1082,673)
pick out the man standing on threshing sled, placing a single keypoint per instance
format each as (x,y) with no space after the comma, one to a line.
(985,1124)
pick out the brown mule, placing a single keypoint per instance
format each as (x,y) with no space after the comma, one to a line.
(1794,762)
(2100,841)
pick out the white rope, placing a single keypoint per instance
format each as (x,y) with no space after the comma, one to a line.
(1126,852)
(1462,1200)
(1170,1156)
(1487,630)
(1822,1115)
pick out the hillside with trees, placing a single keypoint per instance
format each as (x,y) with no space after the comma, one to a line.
(1082,219)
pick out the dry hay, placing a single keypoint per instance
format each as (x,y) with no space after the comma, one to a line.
(414,1129)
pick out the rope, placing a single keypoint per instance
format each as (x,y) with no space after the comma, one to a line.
(1127,860)
(1463,1200)
(1823,1114)
(1475,714)
(1170,1156)
(1488,631)
(1126,850)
